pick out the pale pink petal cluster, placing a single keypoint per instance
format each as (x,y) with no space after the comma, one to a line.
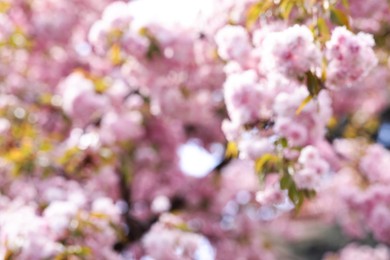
(350,57)
(313,169)
(291,51)
(363,252)
(233,43)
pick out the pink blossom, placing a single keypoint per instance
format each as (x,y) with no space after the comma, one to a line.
(350,57)
(80,100)
(364,252)
(233,43)
(291,51)
(375,164)
(242,96)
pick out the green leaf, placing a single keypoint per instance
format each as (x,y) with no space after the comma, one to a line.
(183,227)
(296,196)
(286,182)
(300,196)
(323,29)
(299,201)
(265,159)
(153,50)
(18,39)
(100,83)
(303,104)
(345,3)
(285,8)
(115,54)
(338,17)
(313,84)
(126,169)
(324,65)
(282,141)
(231,150)
(293,194)
(309,193)
(256,10)
(82,252)
(79,250)
(154,47)
(4,6)
(9,255)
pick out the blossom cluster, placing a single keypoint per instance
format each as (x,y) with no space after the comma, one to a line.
(268,98)
(97,104)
